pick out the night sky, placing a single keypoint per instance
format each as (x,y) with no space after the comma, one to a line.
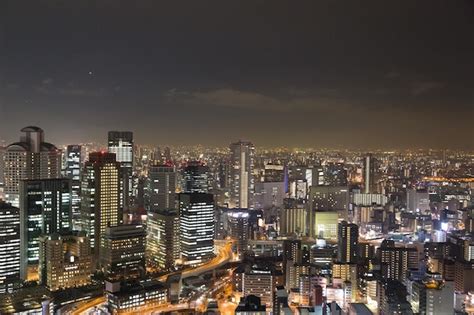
(355,74)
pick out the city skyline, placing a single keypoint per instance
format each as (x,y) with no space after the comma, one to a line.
(312,75)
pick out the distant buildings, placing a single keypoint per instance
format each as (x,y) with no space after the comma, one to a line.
(30,158)
(196,217)
(370,186)
(242,177)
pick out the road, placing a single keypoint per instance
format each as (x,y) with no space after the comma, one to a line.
(224,255)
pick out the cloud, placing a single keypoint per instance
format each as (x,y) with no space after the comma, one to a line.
(239,99)
(422,87)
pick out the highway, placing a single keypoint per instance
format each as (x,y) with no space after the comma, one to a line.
(224,255)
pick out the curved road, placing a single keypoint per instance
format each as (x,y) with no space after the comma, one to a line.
(224,256)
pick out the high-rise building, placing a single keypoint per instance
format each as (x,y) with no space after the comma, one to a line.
(239,228)
(121,143)
(330,198)
(294,218)
(65,261)
(396,261)
(9,247)
(260,281)
(73,172)
(370,187)
(45,206)
(162,246)
(100,194)
(242,179)
(122,256)
(196,178)
(347,240)
(162,187)
(30,158)
(196,214)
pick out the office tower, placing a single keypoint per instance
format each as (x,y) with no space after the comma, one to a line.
(2,166)
(45,206)
(196,215)
(432,297)
(73,172)
(370,187)
(121,143)
(328,198)
(162,247)
(9,247)
(239,228)
(294,218)
(65,261)
(242,179)
(269,194)
(347,240)
(259,281)
(162,187)
(464,276)
(30,158)
(100,194)
(196,178)
(325,225)
(396,261)
(418,200)
(122,256)
(336,175)
(274,173)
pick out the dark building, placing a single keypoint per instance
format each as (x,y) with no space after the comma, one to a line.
(73,172)
(196,178)
(45,208)
(347,240)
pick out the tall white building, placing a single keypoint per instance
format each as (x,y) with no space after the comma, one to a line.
(121,144)
(73,172)
(9,247)
(196,216)
(242,179)
(30,158)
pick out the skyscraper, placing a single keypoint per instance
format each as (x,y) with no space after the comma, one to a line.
(73,172)
(196,214)
(239,228)
(162,187)
(9,246)
(196,178)
(121,143)
(123,254)
(30,158)
(163,238)
(45,206)
(65,261)
(347,240)
(100,193)
(370,186)
(242,179)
